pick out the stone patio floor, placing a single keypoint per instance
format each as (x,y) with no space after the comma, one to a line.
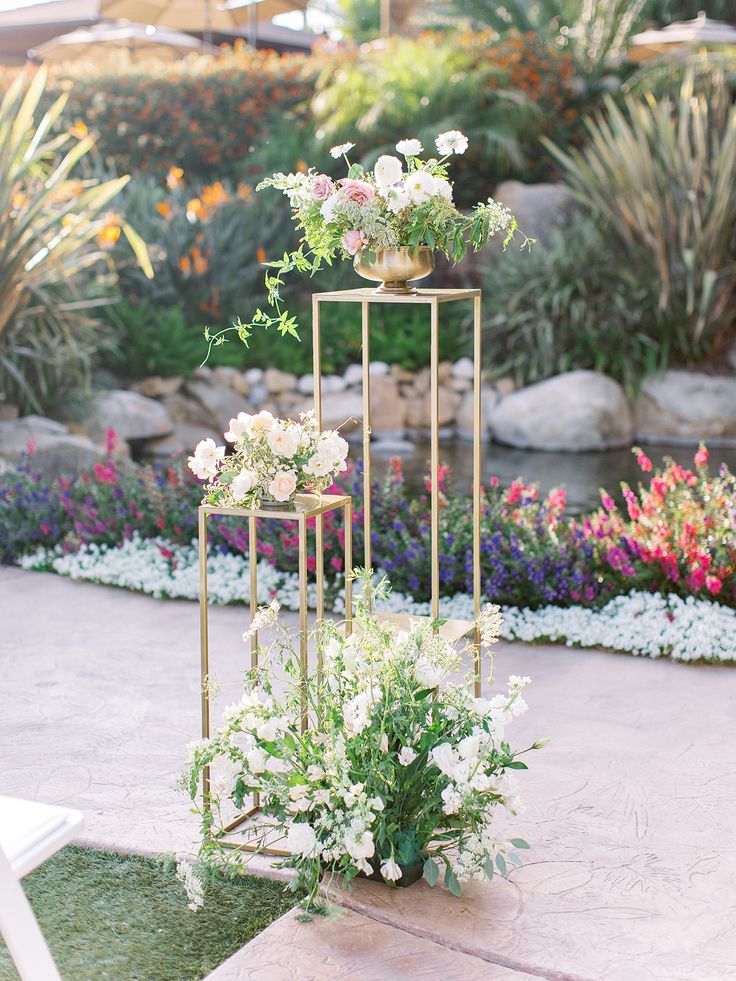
(630,809)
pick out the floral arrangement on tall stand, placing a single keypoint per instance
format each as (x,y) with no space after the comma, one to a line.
(398,774)
(390,222)
(272,461)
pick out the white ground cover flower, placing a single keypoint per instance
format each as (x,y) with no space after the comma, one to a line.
(453,141)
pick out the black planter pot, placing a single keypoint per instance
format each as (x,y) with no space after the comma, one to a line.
(410,873)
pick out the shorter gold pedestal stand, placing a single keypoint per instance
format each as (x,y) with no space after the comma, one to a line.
(306,506)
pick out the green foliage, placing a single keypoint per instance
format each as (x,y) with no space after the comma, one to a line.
(659,175)
(360,20)
(662,12)
(574,302)
(122,916)
(502,94)
(151,340)
(55,234)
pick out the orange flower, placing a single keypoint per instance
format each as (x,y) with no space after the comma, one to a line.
(19,200)
(199,260)
(301,166)
(79,129)
(261,254)
(244,191)
(214,194)
(164,209)
(195,210)
(184,265)
(174,177)
(108,236)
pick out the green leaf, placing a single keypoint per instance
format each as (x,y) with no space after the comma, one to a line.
(516,859)
(501,863)
(520,843)
(355,171)
(516,765)
(451,882)
(431,871)
(488,866)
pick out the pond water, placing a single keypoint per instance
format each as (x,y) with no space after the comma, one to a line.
(580,473)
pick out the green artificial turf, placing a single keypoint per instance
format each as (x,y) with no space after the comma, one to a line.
(126,918)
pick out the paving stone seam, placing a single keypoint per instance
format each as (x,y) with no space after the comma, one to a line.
(491,957)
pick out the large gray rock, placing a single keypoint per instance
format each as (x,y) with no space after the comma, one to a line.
(686,407)
(419,409)
(54,449)
(576,411)
(465,416)
(184,438)
(219,402)
(537,207)
(132,416)
(343,410)
(276,382)
(156,387)
(388,408)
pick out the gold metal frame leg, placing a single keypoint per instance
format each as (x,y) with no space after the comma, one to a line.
(366,345)
(434,411)
(303,634)
(348,557)
(204,648)
(477,439)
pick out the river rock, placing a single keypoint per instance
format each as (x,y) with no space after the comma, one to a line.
(572,412)
(156,387)
(220,403)
(419,414)
(132,416)
(343,410)
(276,382)
(465,418)
(182,440)
(686,407)
(463,369)
(536,207)
(231,377)
(353,375)
(54,450)
(388,408)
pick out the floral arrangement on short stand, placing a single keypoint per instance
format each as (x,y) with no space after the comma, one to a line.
(398,773)
(401,203)
(272,460)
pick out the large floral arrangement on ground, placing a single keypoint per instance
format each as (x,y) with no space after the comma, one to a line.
(398,767)
(272,460)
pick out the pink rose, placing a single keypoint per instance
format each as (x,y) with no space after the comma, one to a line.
(359,192)
(282,486)
(352,242)
(322,187)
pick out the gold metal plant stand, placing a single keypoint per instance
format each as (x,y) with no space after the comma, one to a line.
(453,629)
(306,506)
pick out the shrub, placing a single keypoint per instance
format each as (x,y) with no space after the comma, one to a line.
(574,302)
(678,534)
(55,232)
(205,115)
(502,94)
(148,340)
(659,176)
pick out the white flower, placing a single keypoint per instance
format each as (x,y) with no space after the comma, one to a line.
(383,744)
(451,800)
(469,747)
(256,760)
(397,198)
(453,141)
(390,870)
(239,427)
(376,804)
(284,440)
(331,649)
(427,673)
(359,846)
(406,755)
(265,616)
(356,713)
(420,186)
(224,773)
(388,171)
(490,623)
(269,729)
(341,150)
(301,840)
(444,758)
(261,423)
(329,207)
(207,456)
(242,484)
(282,486)
(443,188)
(409,148)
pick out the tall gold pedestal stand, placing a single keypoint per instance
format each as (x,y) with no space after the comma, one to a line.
(453,629)
(306,506)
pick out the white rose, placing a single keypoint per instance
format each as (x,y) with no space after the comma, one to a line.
(329,207)
(207,456)
(444,758)
(283,486)
(469,747)
(284,441)
(242,484)
(409,148)
(427,673)
(268,730)
(388,171)
(452,801)
(320,465)
(239,427)
(406,755)
(301,840)
(397,198)
(390,870)
(256,760)
(359,846)
(420,186)
(261,423)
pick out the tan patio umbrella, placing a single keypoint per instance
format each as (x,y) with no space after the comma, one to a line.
(199,15)
(133,40)
(699,33)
